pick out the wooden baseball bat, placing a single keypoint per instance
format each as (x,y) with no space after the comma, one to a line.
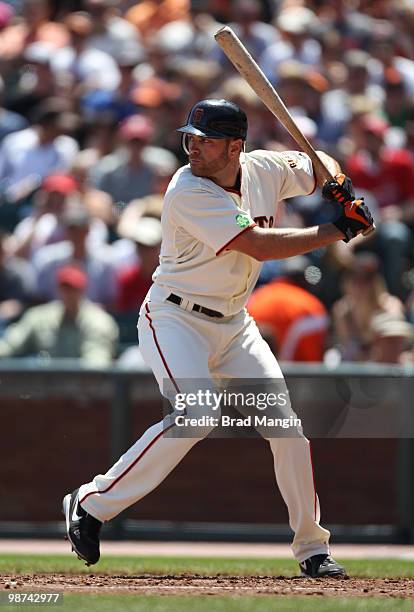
(250,71)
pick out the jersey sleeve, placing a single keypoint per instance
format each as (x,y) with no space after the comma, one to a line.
(211,218)
(298,178)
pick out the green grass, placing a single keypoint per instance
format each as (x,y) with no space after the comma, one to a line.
(230,604)
(24,564)
(130,603)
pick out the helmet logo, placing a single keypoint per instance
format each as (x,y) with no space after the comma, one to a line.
(198,113)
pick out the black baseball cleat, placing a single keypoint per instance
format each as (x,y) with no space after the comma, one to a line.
(82,529)
(322,566)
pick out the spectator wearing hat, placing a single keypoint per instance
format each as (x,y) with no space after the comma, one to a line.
(365,296)
(292,319)
(249,25)
(357,84)
(392,339)
(75,248)
(16,284)
(111,33)
(81,66)
(150,206)
(28,156)
(303,88)
(388,174)
(114,105)
(69,327)
(124,174)
(191,38)
(295,25)
(44,225)
(135,281)
(384,47)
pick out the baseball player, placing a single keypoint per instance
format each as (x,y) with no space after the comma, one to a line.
(217,224)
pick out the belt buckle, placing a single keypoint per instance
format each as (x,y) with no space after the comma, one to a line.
(186,305)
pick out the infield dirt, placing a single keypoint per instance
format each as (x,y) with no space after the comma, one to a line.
(193,584)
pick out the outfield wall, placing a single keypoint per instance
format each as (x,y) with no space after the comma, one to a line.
(63,425)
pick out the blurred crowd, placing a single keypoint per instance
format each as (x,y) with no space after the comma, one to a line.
(91,92)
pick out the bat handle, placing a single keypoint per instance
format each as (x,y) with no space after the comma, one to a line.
(369,231)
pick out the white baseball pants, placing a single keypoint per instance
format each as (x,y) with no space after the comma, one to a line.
(178,344)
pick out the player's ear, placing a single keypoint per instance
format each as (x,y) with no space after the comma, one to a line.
(236,146)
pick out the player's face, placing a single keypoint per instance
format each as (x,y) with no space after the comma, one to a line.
(207,156)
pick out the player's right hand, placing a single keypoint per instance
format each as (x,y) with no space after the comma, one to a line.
(340,189)
(354,218)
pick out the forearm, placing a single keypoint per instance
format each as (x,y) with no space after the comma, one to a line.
(265,244)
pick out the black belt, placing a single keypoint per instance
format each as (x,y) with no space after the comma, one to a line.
(196,307)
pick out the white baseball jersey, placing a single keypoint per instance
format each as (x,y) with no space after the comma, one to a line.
(200,219)
(182,347)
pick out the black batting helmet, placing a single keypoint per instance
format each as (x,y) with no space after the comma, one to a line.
(216,119)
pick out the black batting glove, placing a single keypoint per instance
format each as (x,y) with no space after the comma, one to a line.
(354,218)
(340,189)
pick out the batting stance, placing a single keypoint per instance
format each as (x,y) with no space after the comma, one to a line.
(217,223)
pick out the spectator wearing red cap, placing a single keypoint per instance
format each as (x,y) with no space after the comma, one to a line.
(70,327)
(125,175)
(388,174)
(44,226)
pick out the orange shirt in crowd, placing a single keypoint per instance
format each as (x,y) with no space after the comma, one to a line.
(149,16)
(297,320)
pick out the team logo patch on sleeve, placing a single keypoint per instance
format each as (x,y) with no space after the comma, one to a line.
(242,221)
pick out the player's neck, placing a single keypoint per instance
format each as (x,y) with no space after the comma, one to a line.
(229,177)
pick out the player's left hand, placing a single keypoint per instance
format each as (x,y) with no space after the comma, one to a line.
(354,218)
(340,189)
